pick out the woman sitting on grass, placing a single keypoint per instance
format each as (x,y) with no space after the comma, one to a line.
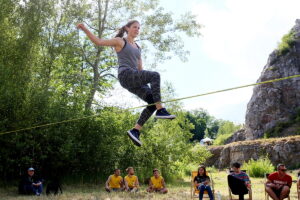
(202,183)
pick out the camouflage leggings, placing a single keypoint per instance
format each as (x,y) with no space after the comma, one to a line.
(137,82)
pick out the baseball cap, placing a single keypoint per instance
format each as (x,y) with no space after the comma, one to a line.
(30,169)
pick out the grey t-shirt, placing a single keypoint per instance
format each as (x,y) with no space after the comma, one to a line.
(128,56)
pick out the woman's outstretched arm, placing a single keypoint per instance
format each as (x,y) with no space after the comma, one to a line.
(115,42)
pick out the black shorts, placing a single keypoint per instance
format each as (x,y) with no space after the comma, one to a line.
(277,191)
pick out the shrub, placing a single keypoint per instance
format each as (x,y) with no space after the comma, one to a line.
(286,42)
(221,139)
(212,169)
(258,168)
(227,129)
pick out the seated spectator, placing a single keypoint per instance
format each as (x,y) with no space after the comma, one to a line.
(279,183)
(202,182)
(30,184)
(114,182)
(239,181)
(131,181)
(157,183)
(54,186)
(298,185)
(298,180)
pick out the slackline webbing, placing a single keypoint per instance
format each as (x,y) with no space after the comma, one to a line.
(171,100)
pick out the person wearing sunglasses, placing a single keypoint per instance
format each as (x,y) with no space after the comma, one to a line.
(279,183)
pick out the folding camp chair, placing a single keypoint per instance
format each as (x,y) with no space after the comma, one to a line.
(231,197)
(194,189)
(298,190)
(266,194)
(298,187)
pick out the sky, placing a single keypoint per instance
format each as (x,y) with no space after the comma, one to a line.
(237,38)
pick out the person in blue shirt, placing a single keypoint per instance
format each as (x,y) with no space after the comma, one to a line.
(239,181)
(31,184)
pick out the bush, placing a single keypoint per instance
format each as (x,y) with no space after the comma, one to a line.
(221,139)
(212,169)
(258,168)
(226,130)
(287,41)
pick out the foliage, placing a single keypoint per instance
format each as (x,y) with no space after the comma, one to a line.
(226,130)
(258,168)
(204,124)
(50,73)
(221,139)
(212,169)
(287,41)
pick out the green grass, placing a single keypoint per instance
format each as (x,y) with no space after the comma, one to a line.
(178,190)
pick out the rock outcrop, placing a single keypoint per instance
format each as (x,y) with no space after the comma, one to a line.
(279,150)
(237,136)
(273,111)
(275,102)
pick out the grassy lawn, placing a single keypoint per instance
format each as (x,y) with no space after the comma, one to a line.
(180,190)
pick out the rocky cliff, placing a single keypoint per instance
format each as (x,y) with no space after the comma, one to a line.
(273,111)
(276,102)
(279,150)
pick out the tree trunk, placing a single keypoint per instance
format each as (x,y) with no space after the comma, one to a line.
(96,74)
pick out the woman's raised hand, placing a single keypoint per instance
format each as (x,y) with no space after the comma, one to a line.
(80,26)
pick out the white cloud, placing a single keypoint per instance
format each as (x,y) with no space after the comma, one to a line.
(243,33)
(240,35)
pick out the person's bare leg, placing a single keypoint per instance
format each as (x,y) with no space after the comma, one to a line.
(158,106)
(150,189)
(271,193)
(163,190)
(284,193)
(138,127)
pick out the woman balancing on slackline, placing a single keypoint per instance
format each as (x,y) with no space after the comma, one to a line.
(132,76)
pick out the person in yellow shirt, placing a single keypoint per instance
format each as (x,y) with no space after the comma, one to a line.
(114,182)
(157,183)
(131,181)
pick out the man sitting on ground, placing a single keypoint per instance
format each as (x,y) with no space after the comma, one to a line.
(31,184)
(239,181)
(157,183)
(114,182)
(131,181)
(279,183)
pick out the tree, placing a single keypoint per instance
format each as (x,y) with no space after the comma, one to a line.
(49,73)
(227,128)
(204,124)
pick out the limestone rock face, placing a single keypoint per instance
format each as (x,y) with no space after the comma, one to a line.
(275,102)
(237,136)
(279,150)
